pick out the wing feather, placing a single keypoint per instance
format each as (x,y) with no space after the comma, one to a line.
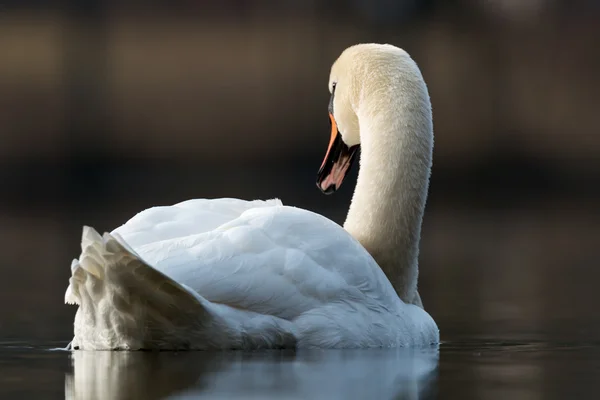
(257,256)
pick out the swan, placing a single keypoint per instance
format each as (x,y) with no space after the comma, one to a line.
(234,274)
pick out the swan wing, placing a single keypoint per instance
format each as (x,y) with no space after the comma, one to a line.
(185,219)
(258,256)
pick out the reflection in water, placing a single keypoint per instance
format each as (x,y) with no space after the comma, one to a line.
(314,374)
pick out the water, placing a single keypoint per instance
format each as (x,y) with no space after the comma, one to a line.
(472,369)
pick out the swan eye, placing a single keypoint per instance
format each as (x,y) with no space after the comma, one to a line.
(331,98)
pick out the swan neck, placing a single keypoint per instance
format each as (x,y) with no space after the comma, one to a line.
(389,200)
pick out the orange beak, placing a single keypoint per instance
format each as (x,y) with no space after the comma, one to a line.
(337,161)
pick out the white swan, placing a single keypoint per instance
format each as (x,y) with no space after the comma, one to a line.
(227,273)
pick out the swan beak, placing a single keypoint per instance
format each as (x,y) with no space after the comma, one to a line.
(337,162)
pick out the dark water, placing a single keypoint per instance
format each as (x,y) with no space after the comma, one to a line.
(467,369)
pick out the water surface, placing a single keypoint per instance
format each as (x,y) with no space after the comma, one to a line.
(462,369)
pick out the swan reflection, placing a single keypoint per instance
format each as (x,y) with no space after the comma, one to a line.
(307,374)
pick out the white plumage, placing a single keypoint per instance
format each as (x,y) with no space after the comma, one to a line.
(228,273)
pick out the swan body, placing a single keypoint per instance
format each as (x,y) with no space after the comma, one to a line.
(235,274)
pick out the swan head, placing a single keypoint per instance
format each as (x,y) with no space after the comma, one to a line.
(360,83)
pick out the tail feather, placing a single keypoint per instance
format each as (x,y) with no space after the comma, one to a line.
(124,302)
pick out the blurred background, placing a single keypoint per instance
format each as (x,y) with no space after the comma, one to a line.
(110,107)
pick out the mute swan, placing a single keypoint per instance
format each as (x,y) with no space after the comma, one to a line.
(234,274)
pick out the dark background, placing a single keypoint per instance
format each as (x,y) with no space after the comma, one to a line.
(107,108)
